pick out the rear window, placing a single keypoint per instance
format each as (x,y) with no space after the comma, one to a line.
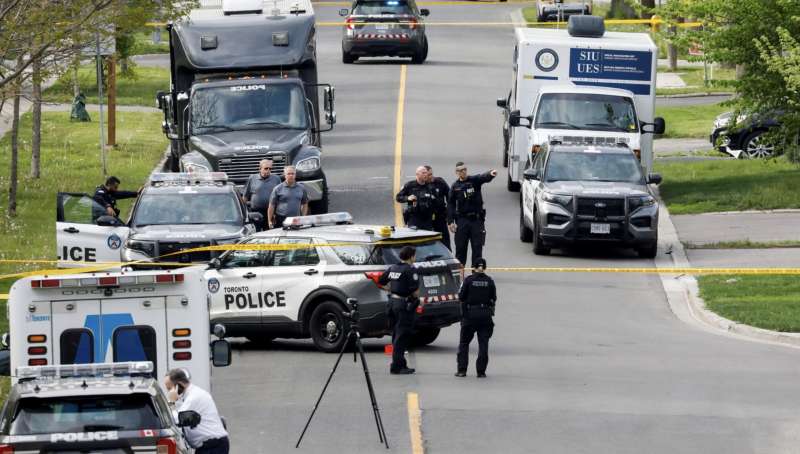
(376,254)
(84,414)
(382,8)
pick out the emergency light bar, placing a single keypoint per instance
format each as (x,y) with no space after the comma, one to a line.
(188,178)
(107,281)
(297,222)
(86,370)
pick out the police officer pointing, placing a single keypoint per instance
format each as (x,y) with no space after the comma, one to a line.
(421,200)
(106,197)
(465,213)
(477,295)
(403,283)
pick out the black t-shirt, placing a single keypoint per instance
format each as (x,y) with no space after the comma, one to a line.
(106,198)
(465,196)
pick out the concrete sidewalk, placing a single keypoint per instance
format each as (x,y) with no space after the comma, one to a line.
(760,226)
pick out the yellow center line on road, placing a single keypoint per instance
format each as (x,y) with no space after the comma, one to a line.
(398,145)
(415,423)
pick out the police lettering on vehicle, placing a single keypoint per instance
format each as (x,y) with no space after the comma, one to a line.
(241,298)
(84,436)
(248,87)
(433,264)
(78,254)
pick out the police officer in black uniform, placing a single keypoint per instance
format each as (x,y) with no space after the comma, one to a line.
(421,200)
(106,197)
(441,190)
(465,213)
(477,295)
(403,283)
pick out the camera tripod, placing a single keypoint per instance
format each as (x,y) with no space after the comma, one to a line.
(353,335)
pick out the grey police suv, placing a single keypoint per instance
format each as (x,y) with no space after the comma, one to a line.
(76,409)
(301,292)
(575,193)
(377,28)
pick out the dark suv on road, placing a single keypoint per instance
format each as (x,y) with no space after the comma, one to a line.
(384,28)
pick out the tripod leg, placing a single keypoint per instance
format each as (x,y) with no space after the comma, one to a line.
(324,388)
(375,410)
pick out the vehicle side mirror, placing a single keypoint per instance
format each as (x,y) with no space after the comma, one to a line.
(214,264)
(329,95)
(424,12)
(502,103)
(220,353)
(188,418)
(344,12)
(658,126)
(530,174)
(5,341)
(219,330)
(653,178)
(255,217)
(108,221)
(514,119)
(161,101)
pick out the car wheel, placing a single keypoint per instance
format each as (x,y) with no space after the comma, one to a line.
(648,252)
(328,327)
(421,54)
(538,245)
(504,156)
(425,336)
(756,146)
(511,185)
(525,234)
(348,58)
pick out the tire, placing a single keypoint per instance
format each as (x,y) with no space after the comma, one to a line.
(648,252)
(525,234)
(756,147)
(328,327)
(348,58)
(425,336)
(504,156)
(538,245)
(422,54)
(173,161)
(510,185)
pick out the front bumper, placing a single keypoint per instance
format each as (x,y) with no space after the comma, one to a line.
(721,141)
(560,226)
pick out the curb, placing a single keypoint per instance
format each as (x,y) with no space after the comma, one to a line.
(683,293)
(518,18)
(735,213)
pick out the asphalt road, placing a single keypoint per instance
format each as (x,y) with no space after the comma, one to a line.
(581,363)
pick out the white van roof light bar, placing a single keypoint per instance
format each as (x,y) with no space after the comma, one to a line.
(163,179)
(298,222)
(107,281)
(126,369)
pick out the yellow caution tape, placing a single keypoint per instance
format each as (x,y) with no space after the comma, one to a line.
(763,271)
(3,296)
(649,22)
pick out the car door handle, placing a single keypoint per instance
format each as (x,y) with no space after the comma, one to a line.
(249,275)
(310,272)
(71,230)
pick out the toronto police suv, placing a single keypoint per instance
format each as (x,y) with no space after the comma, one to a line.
(91,408)
(574,193)
(378,28)
(298,283)
(173,213)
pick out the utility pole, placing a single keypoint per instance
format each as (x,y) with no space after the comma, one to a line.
(112,100)
(99,60)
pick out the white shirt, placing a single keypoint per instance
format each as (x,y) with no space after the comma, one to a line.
(210,426)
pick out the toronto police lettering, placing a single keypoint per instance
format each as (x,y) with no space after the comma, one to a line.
(84,436)
(78,254)
(241,298)
(248,87)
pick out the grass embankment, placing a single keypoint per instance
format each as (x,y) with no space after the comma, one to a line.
(769,302)
(695,84)
(729,185)
(689,121)
(744,244)
(143,43)
(139,90)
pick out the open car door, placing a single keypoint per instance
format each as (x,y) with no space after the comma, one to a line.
(82,238)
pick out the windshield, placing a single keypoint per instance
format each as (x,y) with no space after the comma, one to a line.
(618,167)
(376,254)
(84,414)
(186,208)
(586,111)
(253,106)
(382,8)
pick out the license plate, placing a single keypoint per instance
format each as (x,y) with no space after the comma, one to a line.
(381,27)
(603,229)
(431,281)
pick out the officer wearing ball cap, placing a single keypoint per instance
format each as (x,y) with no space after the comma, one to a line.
(402,281)
(477,296)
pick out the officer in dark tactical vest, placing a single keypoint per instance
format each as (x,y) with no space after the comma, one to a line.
(465,213)
(420,198)
(477,295)
(403,286)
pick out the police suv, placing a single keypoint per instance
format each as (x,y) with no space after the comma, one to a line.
(91,408)
(174,213)
(295,281)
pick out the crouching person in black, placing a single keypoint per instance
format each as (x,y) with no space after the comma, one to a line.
(403,283)
(477,295)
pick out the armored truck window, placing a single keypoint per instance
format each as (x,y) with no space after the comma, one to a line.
(84,414)
(187,208)
(295,257)
(77,346)
(135,343)
(586,111)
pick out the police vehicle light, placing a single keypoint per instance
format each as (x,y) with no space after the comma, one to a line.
(165,446)
(182,356)
(37,362)
(182,344)
(107,281)
(85,370)
(6,449)
(37,338)
(297,222)
(181,332)
(188,178)
(393,3)
(386,231)
(37,350)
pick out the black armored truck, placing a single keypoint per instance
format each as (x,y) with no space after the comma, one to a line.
(244,88)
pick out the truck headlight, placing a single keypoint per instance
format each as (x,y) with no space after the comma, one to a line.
(634,203)
(192,167)
(227,240)
(558,199)
(146,247)
(307,165)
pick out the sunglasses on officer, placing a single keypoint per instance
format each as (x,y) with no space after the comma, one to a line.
(461,169)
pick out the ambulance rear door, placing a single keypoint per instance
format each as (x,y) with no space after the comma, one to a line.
(79,239)
(134,329)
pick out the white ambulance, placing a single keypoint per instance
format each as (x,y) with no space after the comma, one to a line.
(583,86)
(156,316)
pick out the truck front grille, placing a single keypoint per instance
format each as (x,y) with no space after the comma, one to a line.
(240,167)
(601,208)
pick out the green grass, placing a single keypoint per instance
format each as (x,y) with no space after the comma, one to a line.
(694,78)
(744,244)
(729,185)
(139,90)
(143,43)
(689,121)
(770,302)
